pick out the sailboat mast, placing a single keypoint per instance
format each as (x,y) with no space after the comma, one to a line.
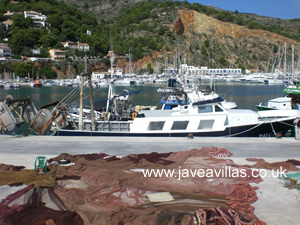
(80,125)
(284,70)
(293,63)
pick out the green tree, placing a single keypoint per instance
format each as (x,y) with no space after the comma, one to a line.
(47,72)
(56,21)
(275,48)
(203,50)
(48,40)
(20,22)
(69,29)
(22,69)
(149,68)
(206,43)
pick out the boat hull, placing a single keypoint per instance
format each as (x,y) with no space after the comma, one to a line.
(278,128)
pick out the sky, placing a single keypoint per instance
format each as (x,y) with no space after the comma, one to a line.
(283,9)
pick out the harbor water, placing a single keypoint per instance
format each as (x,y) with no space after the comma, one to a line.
(246,95)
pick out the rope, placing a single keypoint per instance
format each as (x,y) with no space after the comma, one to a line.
(260,116)
(70,95)
(231,135)
(286,124)
(274,132)
(16,112)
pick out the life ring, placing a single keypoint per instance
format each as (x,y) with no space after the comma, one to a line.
(63,161)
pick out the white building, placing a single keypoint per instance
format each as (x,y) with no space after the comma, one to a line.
(83,47)
(118,72)
(5,51)
(38,19)
(191,70)
(98,75)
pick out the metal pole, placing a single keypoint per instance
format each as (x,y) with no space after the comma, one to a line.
(81,102)
(92,104)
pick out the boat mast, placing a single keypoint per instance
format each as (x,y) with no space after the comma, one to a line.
(82,96)
(130,66)
(93,125)
(284,70)
(293,63)
(80,125)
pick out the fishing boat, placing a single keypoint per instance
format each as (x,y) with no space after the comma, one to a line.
(207,118)
(36,83)
(184,93)
(290,100)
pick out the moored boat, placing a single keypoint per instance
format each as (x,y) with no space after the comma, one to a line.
(181,117)
(290,100)
(36,83)
(197,120)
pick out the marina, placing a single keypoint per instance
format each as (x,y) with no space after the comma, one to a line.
(149,113)
(200,112)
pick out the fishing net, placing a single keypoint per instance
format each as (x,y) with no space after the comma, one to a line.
(113,190)
(103,189)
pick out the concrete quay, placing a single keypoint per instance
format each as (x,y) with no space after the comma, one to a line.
(23,150)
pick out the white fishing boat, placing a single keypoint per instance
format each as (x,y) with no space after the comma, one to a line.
(201,118)
(198,120)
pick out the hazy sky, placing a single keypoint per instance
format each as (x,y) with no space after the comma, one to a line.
(284,9)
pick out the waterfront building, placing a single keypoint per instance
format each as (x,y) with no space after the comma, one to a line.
(192,70)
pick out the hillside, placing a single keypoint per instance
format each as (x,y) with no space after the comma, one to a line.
(111,9)
(102,9)
(156,32)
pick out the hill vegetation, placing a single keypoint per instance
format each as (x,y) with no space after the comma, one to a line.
(146,28)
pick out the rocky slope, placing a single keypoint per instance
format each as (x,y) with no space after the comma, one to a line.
(198,39)
(202,40)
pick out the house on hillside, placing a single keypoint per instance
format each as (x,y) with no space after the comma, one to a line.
(57,54)
(38,19)
(5,51)
(9,13)
(7,23)
(83,47)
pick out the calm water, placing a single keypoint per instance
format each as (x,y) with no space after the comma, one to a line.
(245,95)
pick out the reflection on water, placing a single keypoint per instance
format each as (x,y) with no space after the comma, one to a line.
(245,95)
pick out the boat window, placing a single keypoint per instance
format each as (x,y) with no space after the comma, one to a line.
(157,125)
(180,125)
(218,109)
(206,124)
(205,109)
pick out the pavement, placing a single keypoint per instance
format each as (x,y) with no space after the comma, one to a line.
(276,204)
